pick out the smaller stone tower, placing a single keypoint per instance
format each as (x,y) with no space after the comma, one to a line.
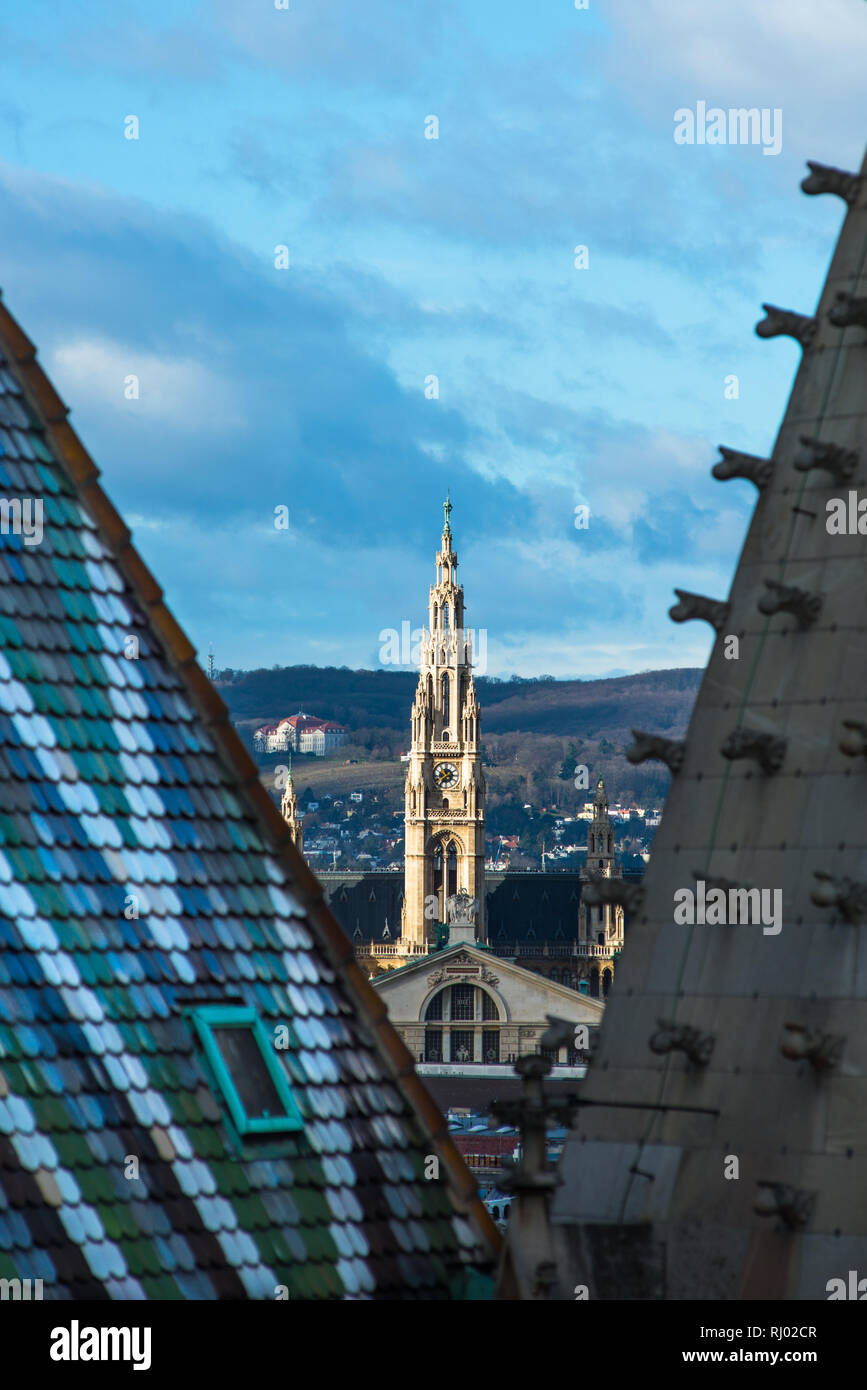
(601,926)
(289,809)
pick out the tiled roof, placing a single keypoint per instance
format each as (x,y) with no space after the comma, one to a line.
(144,869)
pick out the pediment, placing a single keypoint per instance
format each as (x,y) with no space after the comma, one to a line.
(469,964)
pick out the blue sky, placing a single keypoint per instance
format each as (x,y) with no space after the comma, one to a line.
(305,387)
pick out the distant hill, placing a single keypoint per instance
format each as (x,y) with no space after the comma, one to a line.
(657,700)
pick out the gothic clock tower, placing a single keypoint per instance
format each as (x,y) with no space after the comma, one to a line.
(445,787)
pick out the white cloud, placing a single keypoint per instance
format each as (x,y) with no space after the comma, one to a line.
(176,391)
(572,654)
(795,54)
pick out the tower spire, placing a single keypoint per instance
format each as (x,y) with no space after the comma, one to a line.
(600,925)
(289,810)
(445,786)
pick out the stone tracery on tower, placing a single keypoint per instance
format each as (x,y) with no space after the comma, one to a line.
(445,785)
(601,927)
(289,809)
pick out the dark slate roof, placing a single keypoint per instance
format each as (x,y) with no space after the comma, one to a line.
(522,906)
(122,778)
(530,907)
(362,902)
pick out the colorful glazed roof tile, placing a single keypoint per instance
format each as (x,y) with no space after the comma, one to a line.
(146,877)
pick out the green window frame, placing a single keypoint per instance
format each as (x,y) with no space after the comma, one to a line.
(208,1019)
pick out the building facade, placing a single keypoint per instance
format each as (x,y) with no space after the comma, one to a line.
(463,1008)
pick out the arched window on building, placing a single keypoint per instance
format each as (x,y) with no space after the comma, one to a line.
(458,1009)
(606,981)
(452,864)
(445,617)
(446,702)
(594,982)
(438,881)
(489,1007)
(463,1002)
(435,1007)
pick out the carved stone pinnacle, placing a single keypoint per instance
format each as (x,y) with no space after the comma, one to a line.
(785,322)
(783,598)
(848,312)
(680,1037)
(848,894)
(793,1205)
(735,464)
(833,458)
(824,178)
(854,743)
(599,891)
(713,611)
(821,1050)
(768,750)
(653,746)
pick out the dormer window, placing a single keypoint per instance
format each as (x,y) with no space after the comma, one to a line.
(253,1082)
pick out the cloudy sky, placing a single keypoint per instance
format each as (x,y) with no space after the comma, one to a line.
(304,387)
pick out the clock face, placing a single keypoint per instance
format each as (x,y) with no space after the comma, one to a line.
(446,776)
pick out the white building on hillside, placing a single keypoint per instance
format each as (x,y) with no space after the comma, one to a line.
(300,733)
